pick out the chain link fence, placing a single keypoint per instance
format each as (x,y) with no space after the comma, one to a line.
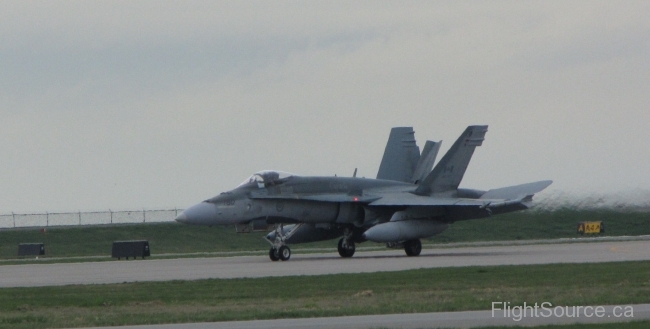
(88,218)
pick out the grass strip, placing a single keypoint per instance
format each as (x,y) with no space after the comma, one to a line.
(423,290)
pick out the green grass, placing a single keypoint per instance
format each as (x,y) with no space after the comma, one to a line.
(528,225)
(163,238)
(176,238)
(423,290)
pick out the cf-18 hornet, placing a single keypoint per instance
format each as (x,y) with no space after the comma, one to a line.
(408,201)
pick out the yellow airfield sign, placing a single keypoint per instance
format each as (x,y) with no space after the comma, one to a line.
(591,227)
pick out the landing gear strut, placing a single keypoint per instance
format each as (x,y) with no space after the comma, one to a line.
(346,245)
(279,250)
(413,247)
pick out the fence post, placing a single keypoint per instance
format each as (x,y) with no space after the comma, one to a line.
(144,216)
(176,210)
(111,215)
(47,219)
(79,217)
(14,217)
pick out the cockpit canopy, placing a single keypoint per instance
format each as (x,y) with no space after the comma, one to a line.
(266,177)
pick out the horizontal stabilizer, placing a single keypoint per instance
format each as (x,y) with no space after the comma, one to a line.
(517,191)
(401,155)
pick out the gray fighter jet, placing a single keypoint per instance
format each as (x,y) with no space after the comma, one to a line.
(405,203)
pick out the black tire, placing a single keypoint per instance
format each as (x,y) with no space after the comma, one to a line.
(413,247)
(273,254)
(346,252)
(285,253)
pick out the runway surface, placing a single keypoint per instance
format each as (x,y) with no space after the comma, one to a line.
(313,264)
(468,319)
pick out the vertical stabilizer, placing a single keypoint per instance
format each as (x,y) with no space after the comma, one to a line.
(427,158)
(448,173)
(401,155)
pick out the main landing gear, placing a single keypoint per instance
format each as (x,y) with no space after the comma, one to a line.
(346,245)
(346,248)
(413,247)
(282,253)
(279,250)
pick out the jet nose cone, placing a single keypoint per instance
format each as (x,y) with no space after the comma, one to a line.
(203,213)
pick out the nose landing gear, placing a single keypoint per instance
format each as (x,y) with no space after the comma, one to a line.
(279,250)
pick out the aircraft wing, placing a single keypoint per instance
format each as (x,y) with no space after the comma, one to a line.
(408,199)
(492,198)
(400,199)
(506,196)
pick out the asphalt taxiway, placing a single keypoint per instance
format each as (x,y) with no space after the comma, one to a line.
(31,275)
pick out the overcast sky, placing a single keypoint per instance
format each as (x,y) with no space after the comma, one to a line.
(157,104)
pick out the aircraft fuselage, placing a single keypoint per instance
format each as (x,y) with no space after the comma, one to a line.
(299,200)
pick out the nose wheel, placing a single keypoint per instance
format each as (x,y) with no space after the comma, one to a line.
(279,250)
